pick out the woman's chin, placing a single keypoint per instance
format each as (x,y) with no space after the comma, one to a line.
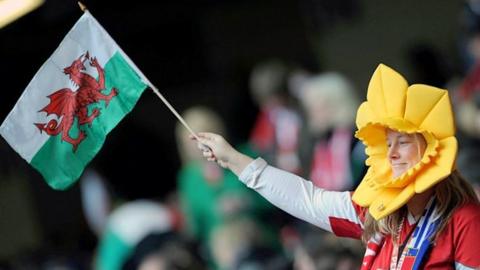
(397,173)
(399,169)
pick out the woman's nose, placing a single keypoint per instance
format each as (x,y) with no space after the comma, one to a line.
(393,152)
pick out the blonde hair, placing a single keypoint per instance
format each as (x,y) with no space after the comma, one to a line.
(454,191)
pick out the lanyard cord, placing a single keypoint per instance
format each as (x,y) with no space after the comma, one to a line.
(404,244)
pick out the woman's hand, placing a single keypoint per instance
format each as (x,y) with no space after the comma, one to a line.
(216,148)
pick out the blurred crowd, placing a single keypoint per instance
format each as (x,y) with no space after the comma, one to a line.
(305,125)
(213,221)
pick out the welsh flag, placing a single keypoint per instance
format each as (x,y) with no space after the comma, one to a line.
(76,98)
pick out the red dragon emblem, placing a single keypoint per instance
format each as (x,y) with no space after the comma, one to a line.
(67,104)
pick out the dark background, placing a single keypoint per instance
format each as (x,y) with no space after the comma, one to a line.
(195,52)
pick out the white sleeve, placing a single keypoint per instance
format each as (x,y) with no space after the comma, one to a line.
(459,266)
(298,196)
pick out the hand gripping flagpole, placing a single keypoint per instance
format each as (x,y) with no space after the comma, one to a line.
(155,90)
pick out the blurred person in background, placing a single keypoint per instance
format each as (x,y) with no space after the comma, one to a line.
(413,209)
(466,94)
(331,156)
(276,129)
(126,226)
(118,223)
(210,195)
(469,37)
(97,201)
(241,244)
(163,251)
(315,249)
(467,107)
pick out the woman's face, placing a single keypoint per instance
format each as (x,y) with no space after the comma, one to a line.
(404,150)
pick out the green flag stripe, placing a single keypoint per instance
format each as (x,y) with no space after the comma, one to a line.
(56,161)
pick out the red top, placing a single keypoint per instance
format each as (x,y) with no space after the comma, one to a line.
(457,247)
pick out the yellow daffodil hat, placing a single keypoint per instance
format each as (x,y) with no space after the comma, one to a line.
(419,108)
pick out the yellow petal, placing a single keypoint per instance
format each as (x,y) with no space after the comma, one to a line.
(440,167)
(389,200)
(386,92)
(365,115)
(367,190)
(429,108)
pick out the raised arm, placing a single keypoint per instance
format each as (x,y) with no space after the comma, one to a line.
(329,210)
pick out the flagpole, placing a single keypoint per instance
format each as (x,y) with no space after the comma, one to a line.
(179,117)
(82,6)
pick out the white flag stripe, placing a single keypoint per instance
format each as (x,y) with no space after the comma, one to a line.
(98,41)
(102,31)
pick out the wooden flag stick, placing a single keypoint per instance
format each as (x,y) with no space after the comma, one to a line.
(82,6)
(180,118)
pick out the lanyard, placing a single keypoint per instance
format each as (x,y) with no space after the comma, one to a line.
(397,262)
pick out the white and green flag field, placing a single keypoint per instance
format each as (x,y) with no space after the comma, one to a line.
(76,98)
